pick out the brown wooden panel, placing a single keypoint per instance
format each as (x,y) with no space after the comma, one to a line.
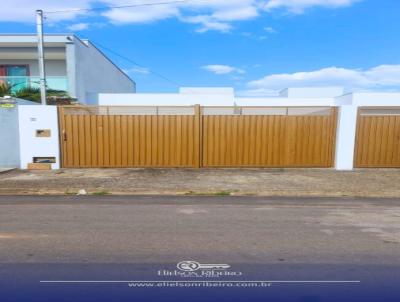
(124,141)
(100,144)
(129,141)
(118,141)
(93,135)
(92,140)
(378,141)
(75,140)
(88,142)
(268,141)
(106,141)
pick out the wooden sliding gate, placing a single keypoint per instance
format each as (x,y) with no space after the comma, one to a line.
(269,137)
(197,137)
(378,138)
(129,137)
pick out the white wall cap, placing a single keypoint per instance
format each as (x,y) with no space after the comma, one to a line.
(373,99)
(206,90)
(164,99)
(312,92)
(282,101)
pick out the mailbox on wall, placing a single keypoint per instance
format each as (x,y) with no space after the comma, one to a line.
(43,133)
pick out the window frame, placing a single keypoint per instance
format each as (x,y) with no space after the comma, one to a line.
(27,67)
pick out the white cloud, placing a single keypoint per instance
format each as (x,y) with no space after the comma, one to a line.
(24,10)
(222,69)
(78,26)
(137,70)
(298,6)
(207,23)
(380,77)
(238,13)
(259,92)
(270,30)
(215,15)
(141,14)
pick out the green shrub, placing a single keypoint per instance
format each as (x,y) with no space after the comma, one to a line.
(5,89)
(33,94)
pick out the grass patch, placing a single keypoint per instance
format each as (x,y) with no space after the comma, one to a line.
(101,193)
(222,193)
(68,192)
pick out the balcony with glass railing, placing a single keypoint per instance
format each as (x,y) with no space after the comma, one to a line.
(15,83)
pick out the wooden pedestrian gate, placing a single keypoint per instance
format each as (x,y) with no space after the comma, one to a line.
(378,138)
(195,136)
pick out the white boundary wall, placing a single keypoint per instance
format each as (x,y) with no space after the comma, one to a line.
(32,118)
(36,117)
(165,99)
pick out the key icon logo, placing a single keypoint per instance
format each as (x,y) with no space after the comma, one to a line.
(191,266)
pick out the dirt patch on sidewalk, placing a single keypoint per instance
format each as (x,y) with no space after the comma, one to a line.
(261,182)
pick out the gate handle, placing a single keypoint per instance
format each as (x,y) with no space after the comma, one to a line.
(64,133)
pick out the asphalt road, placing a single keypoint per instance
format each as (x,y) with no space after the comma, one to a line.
(133,238)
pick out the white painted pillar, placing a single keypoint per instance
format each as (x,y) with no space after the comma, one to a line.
(32,118)
(345,137)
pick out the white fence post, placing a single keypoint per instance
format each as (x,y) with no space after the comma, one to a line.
(345,137)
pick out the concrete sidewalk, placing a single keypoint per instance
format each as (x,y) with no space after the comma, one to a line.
(5,170)
(259,182)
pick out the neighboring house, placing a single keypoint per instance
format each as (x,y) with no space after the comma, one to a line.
(72,64)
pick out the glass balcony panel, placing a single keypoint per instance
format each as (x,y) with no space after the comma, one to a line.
(19,82)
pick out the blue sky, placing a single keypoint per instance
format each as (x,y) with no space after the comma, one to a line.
(256,46)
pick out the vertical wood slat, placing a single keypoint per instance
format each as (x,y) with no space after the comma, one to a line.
(396,142)
(197,134)
(88,141)
(62,135)
(147,141)
(93,136)
(74,140)
(167,141)
(100,144)
(377,141)
(118,141)
(111,123)
(333,130)
(106,140)
(136,145)
(69,155)
(154,141)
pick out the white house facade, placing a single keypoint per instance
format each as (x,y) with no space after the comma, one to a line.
(72,64)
